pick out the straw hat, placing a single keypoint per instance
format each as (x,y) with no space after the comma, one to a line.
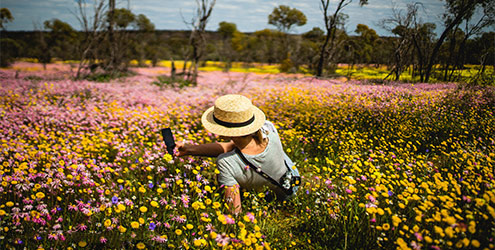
(233,115)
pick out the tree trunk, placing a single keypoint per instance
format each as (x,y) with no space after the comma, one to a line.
(436,49)
(319,70)
(111,37)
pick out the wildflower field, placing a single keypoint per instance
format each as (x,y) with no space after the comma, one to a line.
(407,166)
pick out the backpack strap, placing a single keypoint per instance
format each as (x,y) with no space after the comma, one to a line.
(260,172)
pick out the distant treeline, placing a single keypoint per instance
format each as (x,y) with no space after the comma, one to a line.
(265,46)
(116,36)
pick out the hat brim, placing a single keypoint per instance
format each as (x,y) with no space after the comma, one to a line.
(215,128)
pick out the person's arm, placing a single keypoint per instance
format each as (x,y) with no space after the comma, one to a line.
(209,149)
(233,199)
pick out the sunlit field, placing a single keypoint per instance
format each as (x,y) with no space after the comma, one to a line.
(407,166)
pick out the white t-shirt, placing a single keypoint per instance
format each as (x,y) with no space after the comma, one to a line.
(234,171)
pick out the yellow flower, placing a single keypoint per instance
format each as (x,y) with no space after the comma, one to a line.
(82,243)
(472,227)
(246,218)
(189,226)
(167,157)
(154,204)
(141,221)
(121,207)
(380,211)
(396,220)
(107,223)
(143,209)
(142,189)
(197,243)
(140,245)
(386,226)
(216,205)
(40,195)
(449,231)
(475,243)
(9,204)
(135,224)
(428,239)
(123,229)
(2,212)
(178,232)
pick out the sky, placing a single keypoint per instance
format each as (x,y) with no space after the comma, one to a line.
(248,15)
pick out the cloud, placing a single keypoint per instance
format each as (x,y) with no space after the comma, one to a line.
(248,15)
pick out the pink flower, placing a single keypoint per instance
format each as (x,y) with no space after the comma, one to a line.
(229,220)
(222,239)
(348,191)
(83,227)
(372,199)
(418,236)
(103,240)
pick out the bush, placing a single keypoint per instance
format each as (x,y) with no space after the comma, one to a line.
(173,82)
(10,50)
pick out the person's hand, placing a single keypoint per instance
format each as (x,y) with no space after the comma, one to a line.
(182,149)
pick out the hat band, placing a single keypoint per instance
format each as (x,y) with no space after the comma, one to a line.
(233,124)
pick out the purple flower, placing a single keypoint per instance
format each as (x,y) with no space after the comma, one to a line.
(390,193)
(151,185)
(115,199)
(152,226)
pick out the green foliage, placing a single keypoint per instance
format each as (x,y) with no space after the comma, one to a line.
(314,34)
(5,17)
(227,29)
(176,82)
(121,17)
(284,17)
(143,23)
(10,50)
(107,76)
(286,65)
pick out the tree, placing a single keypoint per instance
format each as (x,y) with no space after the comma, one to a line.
(402,26)
(264,43)
(366,43)
(458,38)
(147,43)
(92,32)
(227,29)
(10,50)
(226,52)
(284,17)
(5,17)
(315,34)
(197,38)
(423,35)
(118,43)
(457,11)
(62,39)
(143,23)
(331,24)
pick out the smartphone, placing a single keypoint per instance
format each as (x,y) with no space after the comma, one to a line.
(169,140)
